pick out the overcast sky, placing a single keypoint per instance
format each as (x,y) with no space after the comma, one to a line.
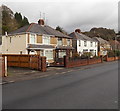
(69,14)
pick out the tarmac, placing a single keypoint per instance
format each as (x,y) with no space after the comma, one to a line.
(20,74)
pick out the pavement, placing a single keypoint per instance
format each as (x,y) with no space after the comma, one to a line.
(20,74)
(89,87)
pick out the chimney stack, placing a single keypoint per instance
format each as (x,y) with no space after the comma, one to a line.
(41,22)
(78,30)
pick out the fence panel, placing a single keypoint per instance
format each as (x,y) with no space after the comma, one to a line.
(24,60)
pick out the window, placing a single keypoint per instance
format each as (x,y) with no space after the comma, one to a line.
(95,44)
(62,54)
(91,44)
(46,40)
(79,43)
(49,54)
(85,43)
(60,41)
(41,53)
(32,39)
(10,39)
(85,50)
(68,42)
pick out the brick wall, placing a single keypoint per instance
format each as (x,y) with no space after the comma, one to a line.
(108,59)
(80,62)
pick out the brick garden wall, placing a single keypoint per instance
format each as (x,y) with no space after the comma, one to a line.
(80,62)
(108,59)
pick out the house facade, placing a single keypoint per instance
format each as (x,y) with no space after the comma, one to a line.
(83,43)
(115,45)
(103,46)
(38,39)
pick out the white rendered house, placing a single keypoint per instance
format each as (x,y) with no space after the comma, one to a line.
(83,43)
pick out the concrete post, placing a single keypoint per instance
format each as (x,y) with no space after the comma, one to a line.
(5,63)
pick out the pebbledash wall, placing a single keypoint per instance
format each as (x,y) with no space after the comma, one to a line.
(90,48)
(13,44)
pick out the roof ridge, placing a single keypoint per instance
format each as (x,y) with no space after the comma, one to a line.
(30,27)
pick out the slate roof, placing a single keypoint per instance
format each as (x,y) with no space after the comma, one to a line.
(81,36)
(38,29)
(101,41)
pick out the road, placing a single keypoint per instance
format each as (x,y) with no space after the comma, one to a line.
(90,88)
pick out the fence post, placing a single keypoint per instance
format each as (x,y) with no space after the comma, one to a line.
(101,58)
(88,60)
(114,58)
(43,64)
(66,61)
(106,57)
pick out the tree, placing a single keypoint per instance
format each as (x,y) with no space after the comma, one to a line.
(8,21)
(18,18)
(24,21)
(58,28)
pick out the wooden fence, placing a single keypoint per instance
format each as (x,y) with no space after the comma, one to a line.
(26,61)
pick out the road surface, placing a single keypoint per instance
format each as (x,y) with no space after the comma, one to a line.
(90,88)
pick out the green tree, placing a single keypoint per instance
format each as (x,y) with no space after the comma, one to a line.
(18,18)
(24,21)
(8,21)
(58,28)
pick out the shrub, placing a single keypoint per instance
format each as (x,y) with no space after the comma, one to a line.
(111,53)
(117,52)
(86,55)
(76,55)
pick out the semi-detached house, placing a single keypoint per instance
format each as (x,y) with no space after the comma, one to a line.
(38,39)
(83,43)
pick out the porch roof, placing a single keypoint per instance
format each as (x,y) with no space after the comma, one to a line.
(64,48)
(38,47)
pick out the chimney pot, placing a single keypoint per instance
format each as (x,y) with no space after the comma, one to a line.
(78,30)
(41,22)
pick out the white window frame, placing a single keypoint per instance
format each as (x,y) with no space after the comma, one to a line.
(85,43)
(68,42)
(34,39)
(79,42)
(91,44)
(46,56)
(44,37)
(58,41)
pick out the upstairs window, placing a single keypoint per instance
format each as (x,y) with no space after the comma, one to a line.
(10,39)
(79,43)
(60,41)
(95,44)
(91,44)
(32,39)
(46,40)
(85,43)
(68,42)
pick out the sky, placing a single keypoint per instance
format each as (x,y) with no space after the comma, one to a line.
(69,14)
